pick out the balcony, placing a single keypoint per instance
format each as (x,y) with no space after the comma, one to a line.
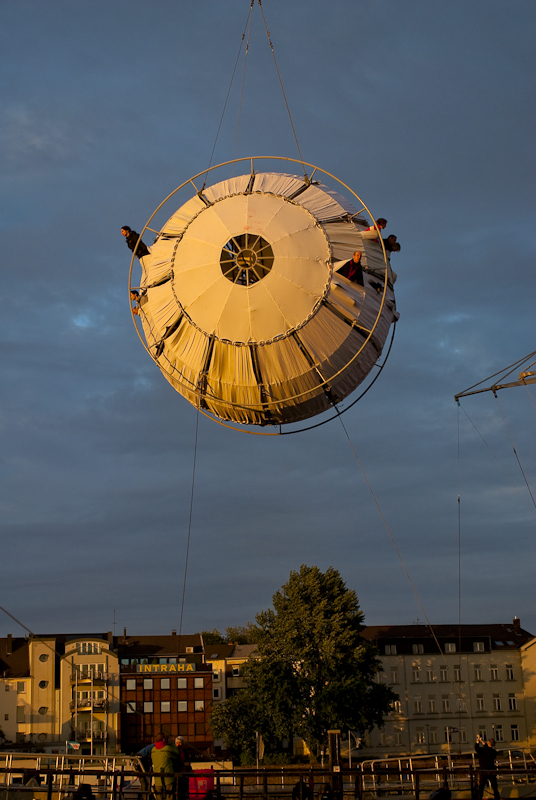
(85,705)
(86,735)
(84,676)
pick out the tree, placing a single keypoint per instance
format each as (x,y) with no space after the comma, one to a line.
(313,671)
(235,634)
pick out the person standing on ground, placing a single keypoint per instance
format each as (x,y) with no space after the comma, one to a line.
(486,755)
(166,761)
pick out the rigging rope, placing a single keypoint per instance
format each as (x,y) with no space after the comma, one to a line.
(243,82)
(514,449)
(189,523)
(505,473)
(283,90)
(459,692)
(228,93)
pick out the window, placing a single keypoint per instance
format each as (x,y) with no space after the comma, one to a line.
(448,734)
(463,735)
(216,675)
(148,707)
(43,657)
(199,683)
(509,672)
(236,672)
(42,737)
(131,708)
(7,687)
(216,694)
(182,706)
(398,738)
(480,706)
(450,647)
(417,705)
(460,704)
(443,674)
(165,707)
(478,647)
(418,649)
(43,684)
(20,713)
(432,704)
(494,672)
(430,675)
(382,739)
(147,683)
(420,737)
(482,733)
(380,677)
(415,675)
(43,710)
(445,703)
(21,687)
(512,702)
(6,717)
(165,683)
(131,684)
(396,706)
(433,735)
(496,702)
(499,736)
(199,705)
(100,695)
(478,672)
(394,676)
(390,649)
(457,673)
(514,733)
(182,683)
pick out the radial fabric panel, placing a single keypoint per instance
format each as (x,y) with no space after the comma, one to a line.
(244,310)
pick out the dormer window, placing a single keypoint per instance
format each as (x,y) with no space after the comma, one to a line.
(478,647)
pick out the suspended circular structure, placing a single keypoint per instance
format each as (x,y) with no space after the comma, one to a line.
(242,303)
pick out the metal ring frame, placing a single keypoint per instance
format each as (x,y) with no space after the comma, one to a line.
(192,388)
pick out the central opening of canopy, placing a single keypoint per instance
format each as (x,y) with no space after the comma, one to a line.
(246,259)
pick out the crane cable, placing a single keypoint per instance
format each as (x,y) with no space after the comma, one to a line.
(459,693)
(243,81)
(228,93)
(283,90)
(189,522)
(514,449)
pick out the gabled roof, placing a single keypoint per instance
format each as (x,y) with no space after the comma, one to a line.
(243,650)
(157,645)
(14,658)
(496,636)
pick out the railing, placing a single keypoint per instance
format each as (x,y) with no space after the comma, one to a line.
(88,675)
(98,705)
(124,779)
(86,734)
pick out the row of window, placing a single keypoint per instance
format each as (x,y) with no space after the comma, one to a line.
(88,648)
(431,735)
(165,683)
(460,703)
(165,706)
(449,647)
(446,674)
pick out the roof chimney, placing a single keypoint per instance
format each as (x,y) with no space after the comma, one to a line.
(174,631)
(9,645)
(125,635)
(517,625)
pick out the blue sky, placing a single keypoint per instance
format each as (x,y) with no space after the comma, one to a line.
(426,110)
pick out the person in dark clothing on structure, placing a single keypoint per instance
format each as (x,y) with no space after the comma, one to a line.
(132,239)
(391,244)
(486,755)
(353,269)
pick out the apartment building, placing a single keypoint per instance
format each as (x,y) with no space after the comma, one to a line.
(468,682)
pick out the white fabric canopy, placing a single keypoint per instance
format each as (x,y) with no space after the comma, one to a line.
(243,310)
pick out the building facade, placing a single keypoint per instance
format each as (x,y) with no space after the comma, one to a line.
(469,682)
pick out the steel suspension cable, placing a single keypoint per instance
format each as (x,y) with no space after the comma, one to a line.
(282,89)
(228,92)
(515,451)
(243,81)
(393,542)
(189,522)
